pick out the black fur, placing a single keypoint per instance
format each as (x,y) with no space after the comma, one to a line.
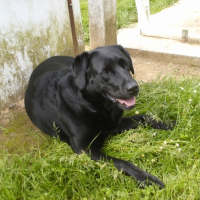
(81,97)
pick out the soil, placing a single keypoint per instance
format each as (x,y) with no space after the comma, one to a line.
(16,129)
(148,69)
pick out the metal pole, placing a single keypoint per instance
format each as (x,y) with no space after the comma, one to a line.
(73,29)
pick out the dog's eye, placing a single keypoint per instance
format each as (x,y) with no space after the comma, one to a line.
(124,64)
(107,72)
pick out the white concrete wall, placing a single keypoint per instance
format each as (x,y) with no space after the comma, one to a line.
(30,32)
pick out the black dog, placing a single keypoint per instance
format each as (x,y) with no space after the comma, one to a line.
(85,97)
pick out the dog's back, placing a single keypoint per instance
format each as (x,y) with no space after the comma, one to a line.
(53,63)
(42,94)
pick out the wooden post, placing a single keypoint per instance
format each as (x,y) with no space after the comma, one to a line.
(102,22)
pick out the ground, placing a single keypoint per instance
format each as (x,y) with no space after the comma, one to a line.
(15,126)
(149,69)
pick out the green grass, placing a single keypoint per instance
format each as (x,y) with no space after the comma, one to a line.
(51,170)
(126,13)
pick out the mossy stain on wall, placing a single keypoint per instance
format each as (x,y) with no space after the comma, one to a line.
(27,42)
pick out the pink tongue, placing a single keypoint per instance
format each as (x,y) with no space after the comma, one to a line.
(128,102)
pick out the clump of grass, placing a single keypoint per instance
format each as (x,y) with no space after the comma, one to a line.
(157,5)
(53,171)
(126,13)
(85,20)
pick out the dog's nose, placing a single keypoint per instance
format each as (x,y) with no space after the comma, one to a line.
(132,89)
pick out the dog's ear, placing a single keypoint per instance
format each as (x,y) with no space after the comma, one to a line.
(128,55)
(79,67)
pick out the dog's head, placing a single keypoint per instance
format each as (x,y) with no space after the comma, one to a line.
(107,71)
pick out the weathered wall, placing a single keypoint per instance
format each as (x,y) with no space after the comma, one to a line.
(30,32)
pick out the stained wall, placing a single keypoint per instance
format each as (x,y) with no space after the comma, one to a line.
(30,32)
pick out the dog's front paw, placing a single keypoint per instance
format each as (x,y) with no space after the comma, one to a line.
(164,126)
(171,125)
(150,180)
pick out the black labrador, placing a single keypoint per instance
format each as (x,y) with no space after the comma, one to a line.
(85,97)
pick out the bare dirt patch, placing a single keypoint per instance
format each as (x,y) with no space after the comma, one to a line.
(17,133)
(149,69)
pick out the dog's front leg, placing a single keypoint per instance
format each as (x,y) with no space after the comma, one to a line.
(133,122)
(144,178)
